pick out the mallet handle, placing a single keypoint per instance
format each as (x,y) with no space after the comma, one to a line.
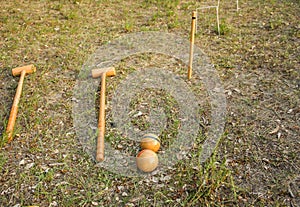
(14,108)
(101,122)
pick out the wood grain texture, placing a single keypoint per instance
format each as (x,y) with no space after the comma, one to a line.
(101,121)
(14,108)
(192,40)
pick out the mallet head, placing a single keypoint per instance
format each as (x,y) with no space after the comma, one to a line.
(109,71)
(28,69)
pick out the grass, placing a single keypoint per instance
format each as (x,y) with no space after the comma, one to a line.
(256,56)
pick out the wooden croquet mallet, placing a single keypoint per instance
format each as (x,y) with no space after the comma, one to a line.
(192,40)
(14,109)
(103,72)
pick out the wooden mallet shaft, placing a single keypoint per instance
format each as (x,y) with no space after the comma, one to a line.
(14,109)
(192,40)
(103,72)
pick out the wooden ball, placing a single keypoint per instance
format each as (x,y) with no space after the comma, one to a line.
(147,160)
(151,142)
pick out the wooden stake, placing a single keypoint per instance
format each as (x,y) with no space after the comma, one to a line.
(218,21)
(192,40)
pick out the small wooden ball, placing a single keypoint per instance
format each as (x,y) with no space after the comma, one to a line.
(151,142)
(147,160)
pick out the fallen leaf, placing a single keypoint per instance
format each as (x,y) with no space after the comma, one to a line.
(22,162)
(274,131)
(28,166)
(94,203)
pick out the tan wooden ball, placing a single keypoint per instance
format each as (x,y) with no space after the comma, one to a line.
(151,142)
(147,160)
